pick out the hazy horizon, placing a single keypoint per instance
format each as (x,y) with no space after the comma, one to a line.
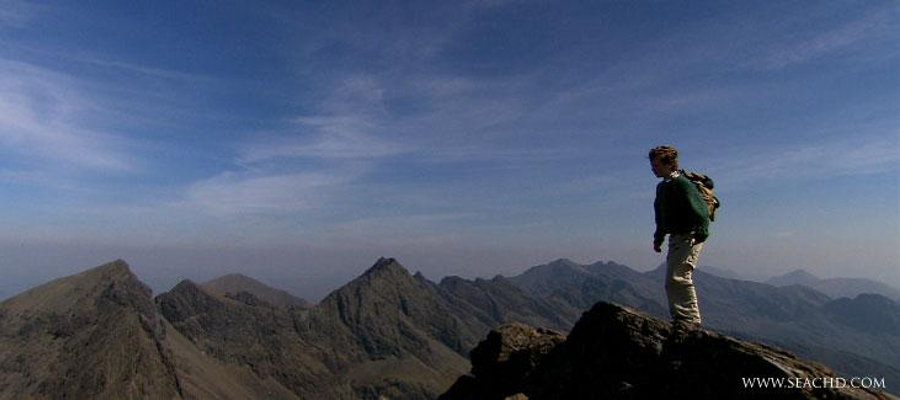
(299,142)
(314,287)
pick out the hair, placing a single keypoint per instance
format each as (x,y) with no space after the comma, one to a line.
(666,154)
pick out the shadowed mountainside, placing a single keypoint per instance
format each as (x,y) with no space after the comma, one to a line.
(97,335)
(386,333)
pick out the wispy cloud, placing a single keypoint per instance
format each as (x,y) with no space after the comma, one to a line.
(234,194)
(45,120)
(137,69)
(841,157)
(307,163)
(797,48)
(16,13)
(324,137)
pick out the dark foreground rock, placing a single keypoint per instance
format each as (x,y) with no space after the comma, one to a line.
(614,352)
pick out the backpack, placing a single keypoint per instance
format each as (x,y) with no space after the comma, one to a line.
(705,187)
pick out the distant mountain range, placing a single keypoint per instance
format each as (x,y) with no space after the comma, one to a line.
(387,333)
(795,317)
(233,284)
(836,287)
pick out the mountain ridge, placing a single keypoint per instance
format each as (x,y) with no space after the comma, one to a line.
(384,333)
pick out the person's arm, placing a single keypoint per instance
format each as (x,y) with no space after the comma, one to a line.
(658,236)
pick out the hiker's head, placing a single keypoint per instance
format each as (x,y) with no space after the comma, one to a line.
(663,160)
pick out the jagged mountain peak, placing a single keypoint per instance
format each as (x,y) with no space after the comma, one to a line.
(387,278)
(564,262)
(186,285)
(236,276)
(555,268)
(542,280)
(110,279)
(90,335)
(117,270)
(609,267)
(114,268)
(386,275)
(799,275)
(388,266)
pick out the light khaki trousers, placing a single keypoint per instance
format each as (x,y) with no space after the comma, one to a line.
(680,264)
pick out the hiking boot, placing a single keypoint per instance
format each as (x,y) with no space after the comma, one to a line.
(681,330)
(685,326)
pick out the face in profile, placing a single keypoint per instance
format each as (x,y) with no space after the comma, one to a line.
(660,169)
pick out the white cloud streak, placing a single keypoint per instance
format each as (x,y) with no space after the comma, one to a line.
(841,157)
(789,51)
(335,149)
(15,13)
(324,137)
(234,194)
(44,119)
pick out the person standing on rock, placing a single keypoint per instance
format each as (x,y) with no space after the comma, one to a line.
(682,214)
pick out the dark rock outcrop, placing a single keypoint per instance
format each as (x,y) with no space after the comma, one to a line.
(614,352)
(505,361)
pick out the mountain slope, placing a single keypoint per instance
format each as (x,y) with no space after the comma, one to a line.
(497,301)
(868,313)
(91,335)
(387,320)
(246,332)
(202,376)
(384,333)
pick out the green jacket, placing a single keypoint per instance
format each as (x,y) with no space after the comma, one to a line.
(680,209)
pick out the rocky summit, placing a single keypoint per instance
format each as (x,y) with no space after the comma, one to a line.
(92,335)
(615,352)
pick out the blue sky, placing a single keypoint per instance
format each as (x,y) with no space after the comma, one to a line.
(298,141)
